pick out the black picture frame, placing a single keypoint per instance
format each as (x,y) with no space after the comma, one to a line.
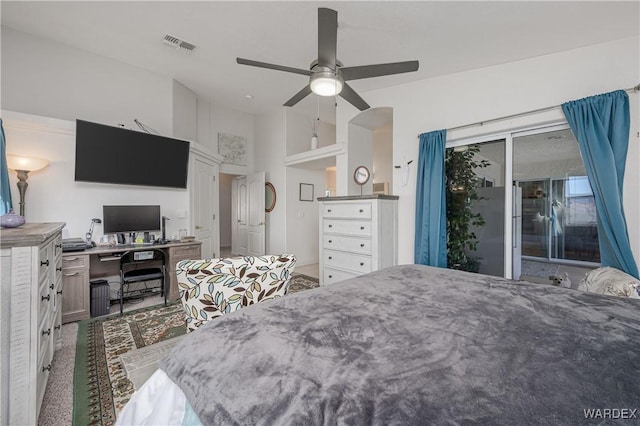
(306,192)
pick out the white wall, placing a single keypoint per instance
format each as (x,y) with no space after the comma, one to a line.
(498,91)
(302,216)
(54,84)
(383,156)
(213,120)
(50,79)
(184,112)
(300,130)
(359,153)
(54,196)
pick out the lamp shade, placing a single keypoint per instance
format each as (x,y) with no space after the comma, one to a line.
(29,164)
(326,83)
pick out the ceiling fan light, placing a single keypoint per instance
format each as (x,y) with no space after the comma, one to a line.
(325,83)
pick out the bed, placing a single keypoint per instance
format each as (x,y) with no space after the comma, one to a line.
(406,345)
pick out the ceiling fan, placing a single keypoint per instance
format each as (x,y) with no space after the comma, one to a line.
(327,76)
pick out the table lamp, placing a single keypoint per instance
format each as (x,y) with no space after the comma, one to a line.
(22,166)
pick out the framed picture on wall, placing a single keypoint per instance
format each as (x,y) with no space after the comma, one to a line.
(306,192)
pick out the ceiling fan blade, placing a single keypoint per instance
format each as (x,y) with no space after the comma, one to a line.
(242,61)
(327,37)
(353,98)
(298,96)
(368,71)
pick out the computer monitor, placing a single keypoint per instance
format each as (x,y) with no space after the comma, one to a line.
(123,219)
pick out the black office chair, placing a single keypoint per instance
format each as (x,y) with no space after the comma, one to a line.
(132,270)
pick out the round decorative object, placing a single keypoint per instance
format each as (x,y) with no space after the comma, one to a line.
(269,197)
(361,175)
(11,220)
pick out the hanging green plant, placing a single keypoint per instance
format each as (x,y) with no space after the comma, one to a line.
(462,182)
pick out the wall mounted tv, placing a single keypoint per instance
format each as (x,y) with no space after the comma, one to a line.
(108,154)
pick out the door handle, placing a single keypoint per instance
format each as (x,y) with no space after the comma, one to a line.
(261,223)
(198,227)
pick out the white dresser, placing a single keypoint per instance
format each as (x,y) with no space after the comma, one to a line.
(358,234)
(30,317)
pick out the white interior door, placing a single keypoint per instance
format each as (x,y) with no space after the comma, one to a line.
(204,197)
(256,216)
(240,216)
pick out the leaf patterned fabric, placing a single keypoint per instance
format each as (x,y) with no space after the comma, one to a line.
(210,288)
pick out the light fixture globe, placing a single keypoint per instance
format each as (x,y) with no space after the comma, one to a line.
(326,82)
(28,164)
(22,166)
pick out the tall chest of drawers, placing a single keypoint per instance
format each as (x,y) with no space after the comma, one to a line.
(358,234)
(30,317)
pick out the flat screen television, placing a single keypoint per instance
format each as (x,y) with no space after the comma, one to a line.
(107,154)
(124,219)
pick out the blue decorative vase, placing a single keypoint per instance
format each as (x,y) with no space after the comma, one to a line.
(11,220)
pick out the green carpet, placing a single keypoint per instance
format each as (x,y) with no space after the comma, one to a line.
(100,386)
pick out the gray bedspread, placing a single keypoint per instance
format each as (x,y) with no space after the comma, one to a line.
(416,345)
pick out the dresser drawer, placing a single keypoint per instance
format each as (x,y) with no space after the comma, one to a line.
(42,375)
(57,247)
(45,300)
(45,332)
(347,210)
(184,253)
(354,262)
(331,276)
(360,245)
(350,227)
(44,261)
(76,261)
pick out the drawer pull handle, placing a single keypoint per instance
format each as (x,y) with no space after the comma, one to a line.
(361,263)
(329,211)
(362,245)
(330,257)
(57,327)
(361,211)
(51,286)
(59,292)
(48,332)
(47,298)
(330,241)
(330,226)
(330,276)
(47,368)
(70,259)
(58,245)
(59,269)
(71,275)
(46,262)
(362,228)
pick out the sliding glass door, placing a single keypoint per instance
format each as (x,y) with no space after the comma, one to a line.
(476,207)
(518,198)
(558,208)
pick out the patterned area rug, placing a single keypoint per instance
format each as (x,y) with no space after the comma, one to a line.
(101,388)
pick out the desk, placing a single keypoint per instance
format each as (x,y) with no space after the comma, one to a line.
(79,267)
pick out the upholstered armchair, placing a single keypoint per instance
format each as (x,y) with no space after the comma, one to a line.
(210,288)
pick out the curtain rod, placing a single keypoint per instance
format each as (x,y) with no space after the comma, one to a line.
(520,114)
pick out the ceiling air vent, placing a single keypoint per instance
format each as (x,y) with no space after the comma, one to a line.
(181,45)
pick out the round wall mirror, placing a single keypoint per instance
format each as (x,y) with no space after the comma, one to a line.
(269,197)
(361,175)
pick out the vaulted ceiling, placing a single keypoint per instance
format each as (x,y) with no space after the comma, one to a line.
(445,36)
